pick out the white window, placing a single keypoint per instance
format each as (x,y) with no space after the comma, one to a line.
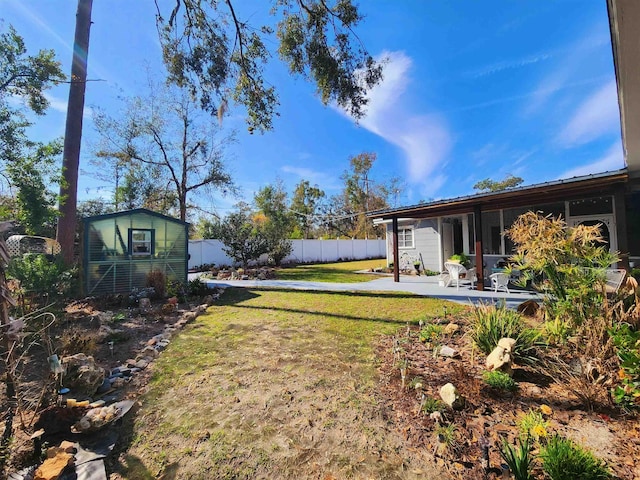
(141,242)
(405,237)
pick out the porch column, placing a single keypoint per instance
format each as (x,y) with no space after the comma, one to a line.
(477,225)
(396,254)
(620,218)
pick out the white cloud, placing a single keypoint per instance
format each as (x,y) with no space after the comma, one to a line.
(313,176)
(598,115)
(572,57)
(509,64)
(424,139)
(612,160)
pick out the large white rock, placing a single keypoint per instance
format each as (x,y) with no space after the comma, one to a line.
(451,397)
(499,359)
(507,343)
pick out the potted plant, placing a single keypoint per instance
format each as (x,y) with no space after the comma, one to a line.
(416,265)
(460,258)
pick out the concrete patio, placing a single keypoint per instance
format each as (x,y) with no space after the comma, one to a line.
(425,286)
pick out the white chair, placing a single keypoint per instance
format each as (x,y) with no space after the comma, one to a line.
(500,281)
(456,271)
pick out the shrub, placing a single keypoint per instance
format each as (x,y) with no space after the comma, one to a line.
(430,405)
(431,332)
(493,323)
(39,275)
(564,460)
(196,288)
(518,457)
(627,344)
(572,262)
(157,280)
(500,381)
(533,425)
(460,258)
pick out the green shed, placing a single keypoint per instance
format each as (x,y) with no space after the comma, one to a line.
(121,248)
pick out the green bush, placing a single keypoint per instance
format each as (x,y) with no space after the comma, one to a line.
(196,288)
(431,333)
(430,405)
(460,258)
(500,381)
(627,344)
(39,275)
(564,460)
(493,323)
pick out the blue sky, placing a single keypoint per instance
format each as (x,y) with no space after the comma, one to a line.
(472,90)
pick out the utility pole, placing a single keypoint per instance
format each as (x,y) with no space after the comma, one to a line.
(73,133)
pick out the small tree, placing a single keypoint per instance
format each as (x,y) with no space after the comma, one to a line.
(275,220)
(305,207)
(488,185)
(243,240)
(567,263)
(34,201)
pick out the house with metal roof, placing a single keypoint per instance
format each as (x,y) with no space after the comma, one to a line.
(474,224)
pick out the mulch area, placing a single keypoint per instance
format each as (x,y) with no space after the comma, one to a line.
(490,416)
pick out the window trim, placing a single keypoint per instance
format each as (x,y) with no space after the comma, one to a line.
(151,241)
(413,241)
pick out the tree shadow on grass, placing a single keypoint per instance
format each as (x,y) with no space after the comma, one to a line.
(131,466)
(237,296)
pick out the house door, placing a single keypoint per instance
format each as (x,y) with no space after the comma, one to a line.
(607,229)
(447,241)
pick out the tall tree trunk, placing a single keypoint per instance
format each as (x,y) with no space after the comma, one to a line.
(73,132)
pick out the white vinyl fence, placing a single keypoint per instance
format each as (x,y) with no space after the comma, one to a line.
(304,251)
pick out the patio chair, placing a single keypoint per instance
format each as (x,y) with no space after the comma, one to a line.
(456,271)
(500,281)
(615,278)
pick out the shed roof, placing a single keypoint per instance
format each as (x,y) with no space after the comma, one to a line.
(541,193)
(134,211)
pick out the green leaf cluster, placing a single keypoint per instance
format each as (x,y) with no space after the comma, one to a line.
(564,460)
(210,49)
(568,264)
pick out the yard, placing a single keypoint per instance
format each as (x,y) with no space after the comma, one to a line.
(277,384)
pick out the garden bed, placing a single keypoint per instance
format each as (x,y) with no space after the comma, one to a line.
(491,415)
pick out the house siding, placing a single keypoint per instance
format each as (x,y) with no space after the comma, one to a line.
(426,241)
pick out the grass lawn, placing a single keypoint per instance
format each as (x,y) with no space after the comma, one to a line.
(276,384)
(342,272)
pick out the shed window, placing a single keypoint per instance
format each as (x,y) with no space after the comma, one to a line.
(405,237)
(140,241)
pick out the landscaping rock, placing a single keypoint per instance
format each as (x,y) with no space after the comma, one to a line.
(149,352)
(52,467)
(450,328)
(451,397)
(507,343)
(499,359)
(82,374)
(446,351)
(141,364)
(529,308)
